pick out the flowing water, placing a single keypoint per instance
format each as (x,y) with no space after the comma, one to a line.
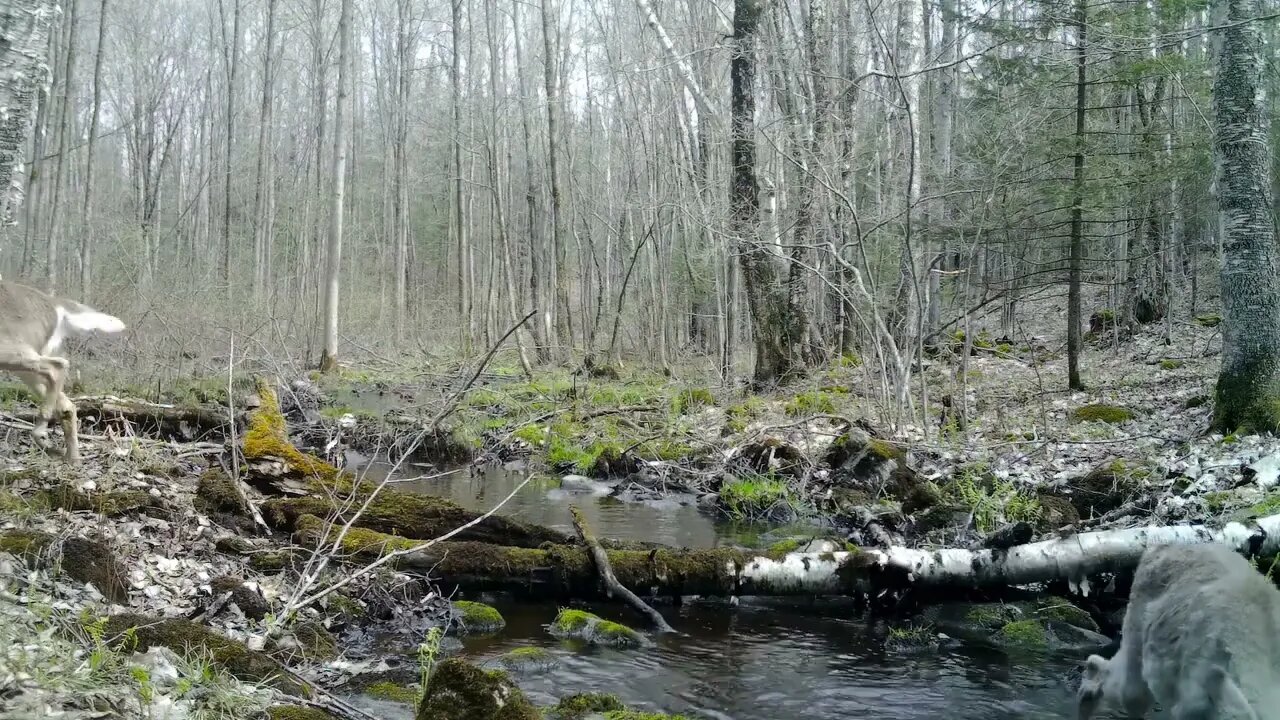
(761,660)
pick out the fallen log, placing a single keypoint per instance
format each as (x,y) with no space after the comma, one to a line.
(183,423)
(600,559)
(567,571)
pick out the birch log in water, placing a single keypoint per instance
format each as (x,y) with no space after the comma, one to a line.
(567,571)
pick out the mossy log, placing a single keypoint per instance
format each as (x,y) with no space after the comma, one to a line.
(140,633)
(407,514)
(410,515)
(567,571)
(82,559)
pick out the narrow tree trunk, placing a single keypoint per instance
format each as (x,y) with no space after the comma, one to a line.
(1248,391)
(263,200)
(1077,210)
(541,330)
(460,223)
(333,272)
(65,121)
(557,319)
(233,70)
(87,231)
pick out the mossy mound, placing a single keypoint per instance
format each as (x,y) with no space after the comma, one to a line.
(387,690)
(528,661)
(140,633)
(1046,623)
(1107,487)
(82,559)
(459,690)
(250,601)
(912,639)
(304,642)
(593,629)
(859,460)
(476,617)
(1056,512)
(579,706)
(1103,413)
(216,493)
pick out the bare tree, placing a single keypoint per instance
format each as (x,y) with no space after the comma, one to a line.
(333,273)
(264,188)
(87,228)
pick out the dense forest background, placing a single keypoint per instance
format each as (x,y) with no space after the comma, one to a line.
(919,166)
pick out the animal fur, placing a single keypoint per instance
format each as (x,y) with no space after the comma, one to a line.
(33,326)
(1201,637)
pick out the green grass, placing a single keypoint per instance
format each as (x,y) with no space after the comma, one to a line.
(754,496)
(811,403)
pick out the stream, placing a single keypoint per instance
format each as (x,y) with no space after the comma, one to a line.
(762,660)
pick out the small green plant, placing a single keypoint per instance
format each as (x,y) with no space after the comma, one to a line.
(1099,412)
(428,651)
(741,414)
(992,501)
(754,496)
(1168,364)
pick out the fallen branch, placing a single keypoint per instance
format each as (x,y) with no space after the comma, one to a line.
(566,571)
(601,560)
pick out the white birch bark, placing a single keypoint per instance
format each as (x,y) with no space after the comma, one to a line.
(24,37)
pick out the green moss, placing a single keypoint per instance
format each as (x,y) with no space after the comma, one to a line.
(216,493)
(782,547)
(640,715)
(532,434)
(1195,401)
(184,636)
(458,690)
(1110,414)
(753,496)
(1217,501)
(478,617)
(811,403)
(267,436)
(849,360)
(1230,439)
(590,627)
(1004,349)
(388,690)
(576,707)
(882,450)
(1168,364)
(741,414)
(1270,505)
(691,399)
(528,660)
(990,616)
(1209,320)
(1023,635)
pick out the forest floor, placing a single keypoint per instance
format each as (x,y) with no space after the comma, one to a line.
(150,533)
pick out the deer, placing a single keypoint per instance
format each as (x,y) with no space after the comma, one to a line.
(33,325)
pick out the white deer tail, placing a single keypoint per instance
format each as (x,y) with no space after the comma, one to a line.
(85,319)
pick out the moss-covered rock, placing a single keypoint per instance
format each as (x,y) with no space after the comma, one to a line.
(912,639)
(477,617)
(140,633)
(387,690)
(1026,635)
(593,629)
(579,706)
(528,661)
(248,599)
(216,493)
(458,690)
(861,461)
(1103,413)
(82,559)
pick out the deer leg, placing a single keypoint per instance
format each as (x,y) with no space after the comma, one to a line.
(70,428)
(38,386)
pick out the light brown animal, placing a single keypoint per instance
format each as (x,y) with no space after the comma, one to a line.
(33,325)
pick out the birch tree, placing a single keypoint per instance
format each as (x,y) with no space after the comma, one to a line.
(24,40)
(333,270)
(1248,391)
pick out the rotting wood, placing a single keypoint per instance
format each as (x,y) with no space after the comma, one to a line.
(566,571)
(180,422)
(600,559)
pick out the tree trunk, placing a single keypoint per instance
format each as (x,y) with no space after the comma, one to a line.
(264,200)
(333,272)
(1249,382)
(461,225)
(24,44)
(1077,209)
(87,231)
(66,119)
(557,319)
(770,317)
(233,70)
